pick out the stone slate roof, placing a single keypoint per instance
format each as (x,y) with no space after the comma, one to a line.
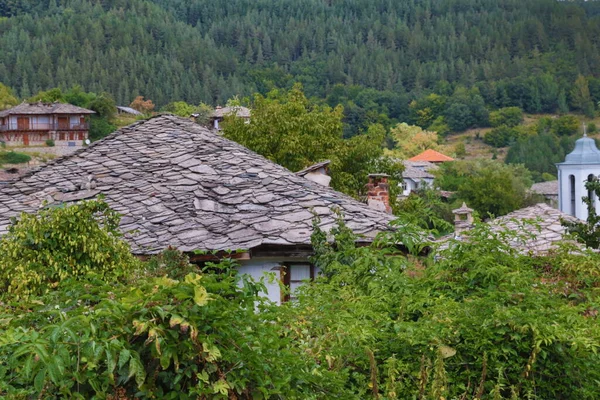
(129,110)
(313,167)
(238,111)
(45,109)
(179,184)
(549,188)
(418,169)
(540,220)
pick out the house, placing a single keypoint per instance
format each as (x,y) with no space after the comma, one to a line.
(32,124)
(539,226)
(318,173)
(121,110)
(221,112)
(547,189)
(431,156)
(416,175)
(580,166)
(179,184)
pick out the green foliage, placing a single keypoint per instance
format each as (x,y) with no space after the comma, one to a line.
(591,128)
(488,186)
(202,111)
(587,232)
(410,140)
(12,157)
(539,153)
(478,320)
(7,99)
(50,143)
(425,208)
(566,125)
(509,116)
(42,250)
(373,57)
(100,127)
(501,136)
(292,131)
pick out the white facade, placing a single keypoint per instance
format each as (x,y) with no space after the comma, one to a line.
(581,165)
(274,273)
(411,184)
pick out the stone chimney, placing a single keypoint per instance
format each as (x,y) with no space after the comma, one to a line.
(378,193)
(463,219)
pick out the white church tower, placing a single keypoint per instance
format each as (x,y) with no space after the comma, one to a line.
(581,165)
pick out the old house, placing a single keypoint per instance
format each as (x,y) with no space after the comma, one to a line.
(221,112)
(33,124)
(178,184)
(547,189)
(417,175)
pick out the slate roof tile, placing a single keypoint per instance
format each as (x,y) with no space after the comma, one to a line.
(179,184)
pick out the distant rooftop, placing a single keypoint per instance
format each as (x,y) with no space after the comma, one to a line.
(418,169)
(431,156)
(40,108)
(238,111)
(313,167)
(129,110)
(549,188)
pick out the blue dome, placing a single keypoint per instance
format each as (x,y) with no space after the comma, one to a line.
(585,152)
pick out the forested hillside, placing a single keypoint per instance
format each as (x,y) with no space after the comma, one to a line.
(521,53)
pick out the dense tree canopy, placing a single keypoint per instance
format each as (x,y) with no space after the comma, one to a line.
(374,57)
(294,132)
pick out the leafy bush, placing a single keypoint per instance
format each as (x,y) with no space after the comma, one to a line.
(566,125)
(501,136)
(478,321)
(50,143)
(12,157)
(42,250)
(100,127)
(509,116)
(198,337)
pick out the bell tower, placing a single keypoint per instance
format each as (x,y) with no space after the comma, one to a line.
(580,166)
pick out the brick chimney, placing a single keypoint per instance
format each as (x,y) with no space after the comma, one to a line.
(378,193)
(463,219)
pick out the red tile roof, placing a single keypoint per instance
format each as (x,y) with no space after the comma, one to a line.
(431,156)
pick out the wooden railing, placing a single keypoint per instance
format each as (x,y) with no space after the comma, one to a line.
(45,127)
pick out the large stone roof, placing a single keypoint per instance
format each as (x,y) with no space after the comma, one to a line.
(45,109)
(178,184)
(540,226)
(549,188)
(418,169)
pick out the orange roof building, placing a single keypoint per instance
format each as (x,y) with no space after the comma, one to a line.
(431,156)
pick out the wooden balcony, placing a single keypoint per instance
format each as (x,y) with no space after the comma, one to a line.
(33,127)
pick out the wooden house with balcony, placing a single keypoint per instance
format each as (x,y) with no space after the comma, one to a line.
(33,124)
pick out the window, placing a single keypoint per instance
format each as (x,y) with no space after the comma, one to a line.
(591,195)
(572,191)
(294,275)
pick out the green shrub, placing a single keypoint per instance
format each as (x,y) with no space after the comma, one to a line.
(591,128)
(42,250)
(50,143)
(12,157)
(509,116)
(501,136)
(566,125)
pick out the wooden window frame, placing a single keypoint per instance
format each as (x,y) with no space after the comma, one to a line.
(286,276)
